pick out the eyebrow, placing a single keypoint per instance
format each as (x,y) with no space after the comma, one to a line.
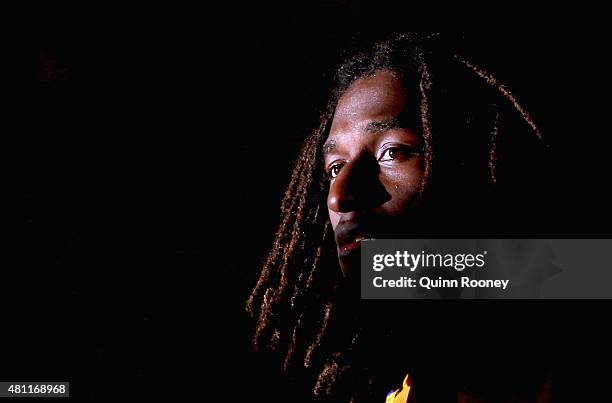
(329,147)
(378,126)
(374,127)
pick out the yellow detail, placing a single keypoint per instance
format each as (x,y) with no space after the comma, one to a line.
(402,394)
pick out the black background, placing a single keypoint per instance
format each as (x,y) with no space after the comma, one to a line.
(149,158)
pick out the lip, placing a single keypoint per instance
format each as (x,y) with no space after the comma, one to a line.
(349,237)
(348,249)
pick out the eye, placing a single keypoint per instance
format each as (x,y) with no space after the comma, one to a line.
(334,170)
(398,154)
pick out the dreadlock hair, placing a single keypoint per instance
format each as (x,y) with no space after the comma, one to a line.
(300,306)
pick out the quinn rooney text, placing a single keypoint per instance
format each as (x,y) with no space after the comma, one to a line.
(429,283)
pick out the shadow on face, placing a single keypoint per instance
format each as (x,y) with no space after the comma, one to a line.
(373,157)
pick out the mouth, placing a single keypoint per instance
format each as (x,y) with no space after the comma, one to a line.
(349,241)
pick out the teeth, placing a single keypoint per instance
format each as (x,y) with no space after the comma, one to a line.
(359,239)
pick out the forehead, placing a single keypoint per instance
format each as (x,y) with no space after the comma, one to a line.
(374,97)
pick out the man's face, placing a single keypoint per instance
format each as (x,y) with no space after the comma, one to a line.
(374,160)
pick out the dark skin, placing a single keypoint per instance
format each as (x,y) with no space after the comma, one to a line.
(374,160)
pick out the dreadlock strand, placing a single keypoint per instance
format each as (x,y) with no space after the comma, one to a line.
(303,280)
(493,146)
(424,87)
(262,321)
(317,340)
(504,90)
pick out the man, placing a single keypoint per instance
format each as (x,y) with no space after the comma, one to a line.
(407,147)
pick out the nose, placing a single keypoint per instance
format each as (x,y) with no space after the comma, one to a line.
(357,187)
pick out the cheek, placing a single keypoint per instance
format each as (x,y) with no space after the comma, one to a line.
(404,185)
(334,218)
